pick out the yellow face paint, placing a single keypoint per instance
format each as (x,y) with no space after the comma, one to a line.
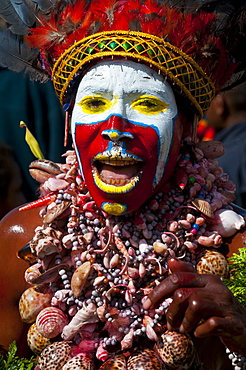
(114,189)
(95,104)
(148,104)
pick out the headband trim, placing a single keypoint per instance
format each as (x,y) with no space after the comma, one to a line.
(177,66)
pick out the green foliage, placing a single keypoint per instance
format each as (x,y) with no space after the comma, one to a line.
(237,281)
(12,362)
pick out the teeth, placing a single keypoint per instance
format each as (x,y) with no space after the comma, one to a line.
(116,162)
(115,181)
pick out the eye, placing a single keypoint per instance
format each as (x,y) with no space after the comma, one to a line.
(94,104)
(149,105)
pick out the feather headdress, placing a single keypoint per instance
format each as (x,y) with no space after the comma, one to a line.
(197,44)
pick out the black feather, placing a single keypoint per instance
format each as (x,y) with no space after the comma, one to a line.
(21,15)
(17,56)
(12,18)
(45,5)
(230,26)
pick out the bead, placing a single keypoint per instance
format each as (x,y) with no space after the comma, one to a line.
(195,226)
(201,194)
(193,231)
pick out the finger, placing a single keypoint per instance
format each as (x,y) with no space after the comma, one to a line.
(176,265)
(189,306)
(177,308)
(197,311)
(173,282)
(220,326)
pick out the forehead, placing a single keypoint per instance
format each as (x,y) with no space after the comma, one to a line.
(124,76)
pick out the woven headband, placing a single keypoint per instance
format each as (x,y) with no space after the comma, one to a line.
(167,59)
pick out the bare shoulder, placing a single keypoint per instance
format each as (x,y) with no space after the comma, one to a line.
(16,230)
(236,241)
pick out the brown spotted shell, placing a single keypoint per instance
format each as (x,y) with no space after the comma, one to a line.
(117,362)
(203,206)
(176,350)
(54,356)
(51,321)
(213,262)
(79,362)
(211,149)
(42,169)
(144,359)
(32,302)
(36,341)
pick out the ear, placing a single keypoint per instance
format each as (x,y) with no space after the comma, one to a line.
(68,113)
(187,124)
(218,104)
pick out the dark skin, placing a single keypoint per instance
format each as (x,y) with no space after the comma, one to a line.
(16,230)
(199,297)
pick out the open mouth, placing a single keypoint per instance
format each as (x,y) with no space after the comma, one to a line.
(116,175)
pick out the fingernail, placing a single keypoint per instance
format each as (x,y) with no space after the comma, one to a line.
(147,304)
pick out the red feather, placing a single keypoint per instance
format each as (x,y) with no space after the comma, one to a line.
(74,12)
(44,34)
(190,32)
(127,15)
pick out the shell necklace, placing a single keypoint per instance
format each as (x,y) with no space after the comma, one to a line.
(95,270)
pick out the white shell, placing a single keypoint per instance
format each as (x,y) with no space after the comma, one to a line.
(227,222)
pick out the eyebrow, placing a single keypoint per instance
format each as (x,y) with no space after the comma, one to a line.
(99,89)
(102,90)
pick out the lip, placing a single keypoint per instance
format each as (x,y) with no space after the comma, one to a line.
(116,171)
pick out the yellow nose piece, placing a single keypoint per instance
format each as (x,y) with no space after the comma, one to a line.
(113,135)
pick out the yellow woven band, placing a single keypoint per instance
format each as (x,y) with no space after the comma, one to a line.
(178,67)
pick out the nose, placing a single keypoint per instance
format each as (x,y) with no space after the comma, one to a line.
(117,129)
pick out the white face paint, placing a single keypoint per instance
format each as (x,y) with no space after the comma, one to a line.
(125,86)
(122,126)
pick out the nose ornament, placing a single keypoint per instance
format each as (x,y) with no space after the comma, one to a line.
(115,135)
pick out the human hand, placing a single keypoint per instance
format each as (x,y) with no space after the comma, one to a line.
(202,304)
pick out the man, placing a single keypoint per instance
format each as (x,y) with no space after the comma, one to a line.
(227,115)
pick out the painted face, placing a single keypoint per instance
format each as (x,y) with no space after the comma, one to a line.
(123,125)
